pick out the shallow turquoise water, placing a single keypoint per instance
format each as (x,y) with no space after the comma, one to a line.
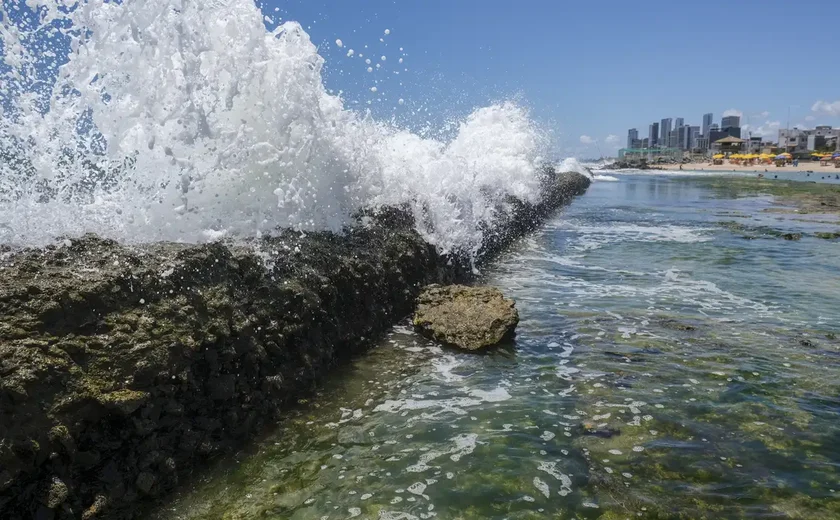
(665,366)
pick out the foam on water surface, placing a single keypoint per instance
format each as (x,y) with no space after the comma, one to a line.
(190,121)
(606,178)
(596,236)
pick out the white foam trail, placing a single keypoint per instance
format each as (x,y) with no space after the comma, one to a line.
(226,128)
(607,178)
(597,236)
(464,444)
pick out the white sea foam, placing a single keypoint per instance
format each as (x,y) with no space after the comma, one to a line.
(205,124)
(605,178)
(571,164)
(565,480)
(436,407)
(542,487)
(596,236)
(444,366)
(496,395)
(463,445)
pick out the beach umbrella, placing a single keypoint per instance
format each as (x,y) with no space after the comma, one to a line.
(781,157)
(717,156)
(836,155)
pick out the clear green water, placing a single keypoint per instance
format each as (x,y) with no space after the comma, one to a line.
(665,367)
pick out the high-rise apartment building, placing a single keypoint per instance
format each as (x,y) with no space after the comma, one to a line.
(673,138)
(664,131)
(707,123)
(653,134)
(683,137)
(693,136)
(730,122)
(632,135)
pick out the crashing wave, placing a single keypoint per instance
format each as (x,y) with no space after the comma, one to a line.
(185,120)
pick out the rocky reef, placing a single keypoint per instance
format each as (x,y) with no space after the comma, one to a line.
(471,318)
(124,368)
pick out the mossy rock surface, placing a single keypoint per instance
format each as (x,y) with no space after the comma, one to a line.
(471,318)
(124,368)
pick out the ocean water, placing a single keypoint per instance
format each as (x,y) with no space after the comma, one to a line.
(665,366)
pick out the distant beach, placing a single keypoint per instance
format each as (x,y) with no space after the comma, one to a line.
(803,167)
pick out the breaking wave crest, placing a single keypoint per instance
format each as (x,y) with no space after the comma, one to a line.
(185,120)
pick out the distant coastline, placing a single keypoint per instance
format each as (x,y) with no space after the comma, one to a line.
(802,167)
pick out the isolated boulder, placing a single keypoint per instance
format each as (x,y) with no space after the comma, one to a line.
(471,318)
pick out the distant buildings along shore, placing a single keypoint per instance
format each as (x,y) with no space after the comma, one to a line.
(679,138)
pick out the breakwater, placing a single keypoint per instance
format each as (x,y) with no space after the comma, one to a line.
(124,367)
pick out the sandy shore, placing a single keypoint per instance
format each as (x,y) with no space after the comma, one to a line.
(758,168)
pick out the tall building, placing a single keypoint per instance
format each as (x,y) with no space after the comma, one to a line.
(673,138)
(707,123)
(632,135)
(730,122)
(653,134)
(678,122)
(715,134)
(683,137)
(693,137)
(664,131)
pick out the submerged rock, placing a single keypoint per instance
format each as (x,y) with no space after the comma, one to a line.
(471,318)
(590,428)
(827,235)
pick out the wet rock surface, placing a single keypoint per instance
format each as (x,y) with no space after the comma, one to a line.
(471,318)
(123,368)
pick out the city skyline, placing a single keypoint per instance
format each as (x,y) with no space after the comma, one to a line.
(685,137)
(756,125)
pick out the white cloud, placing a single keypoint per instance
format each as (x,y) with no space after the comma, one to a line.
(770,129)
(832,109)
(585,139)
(809,118)
(733,112)
(764,114)
(613,139)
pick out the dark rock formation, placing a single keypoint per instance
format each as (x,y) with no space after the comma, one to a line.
(634,164)
(471,318)
(123,368)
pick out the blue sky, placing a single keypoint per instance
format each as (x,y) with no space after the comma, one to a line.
(586,69)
